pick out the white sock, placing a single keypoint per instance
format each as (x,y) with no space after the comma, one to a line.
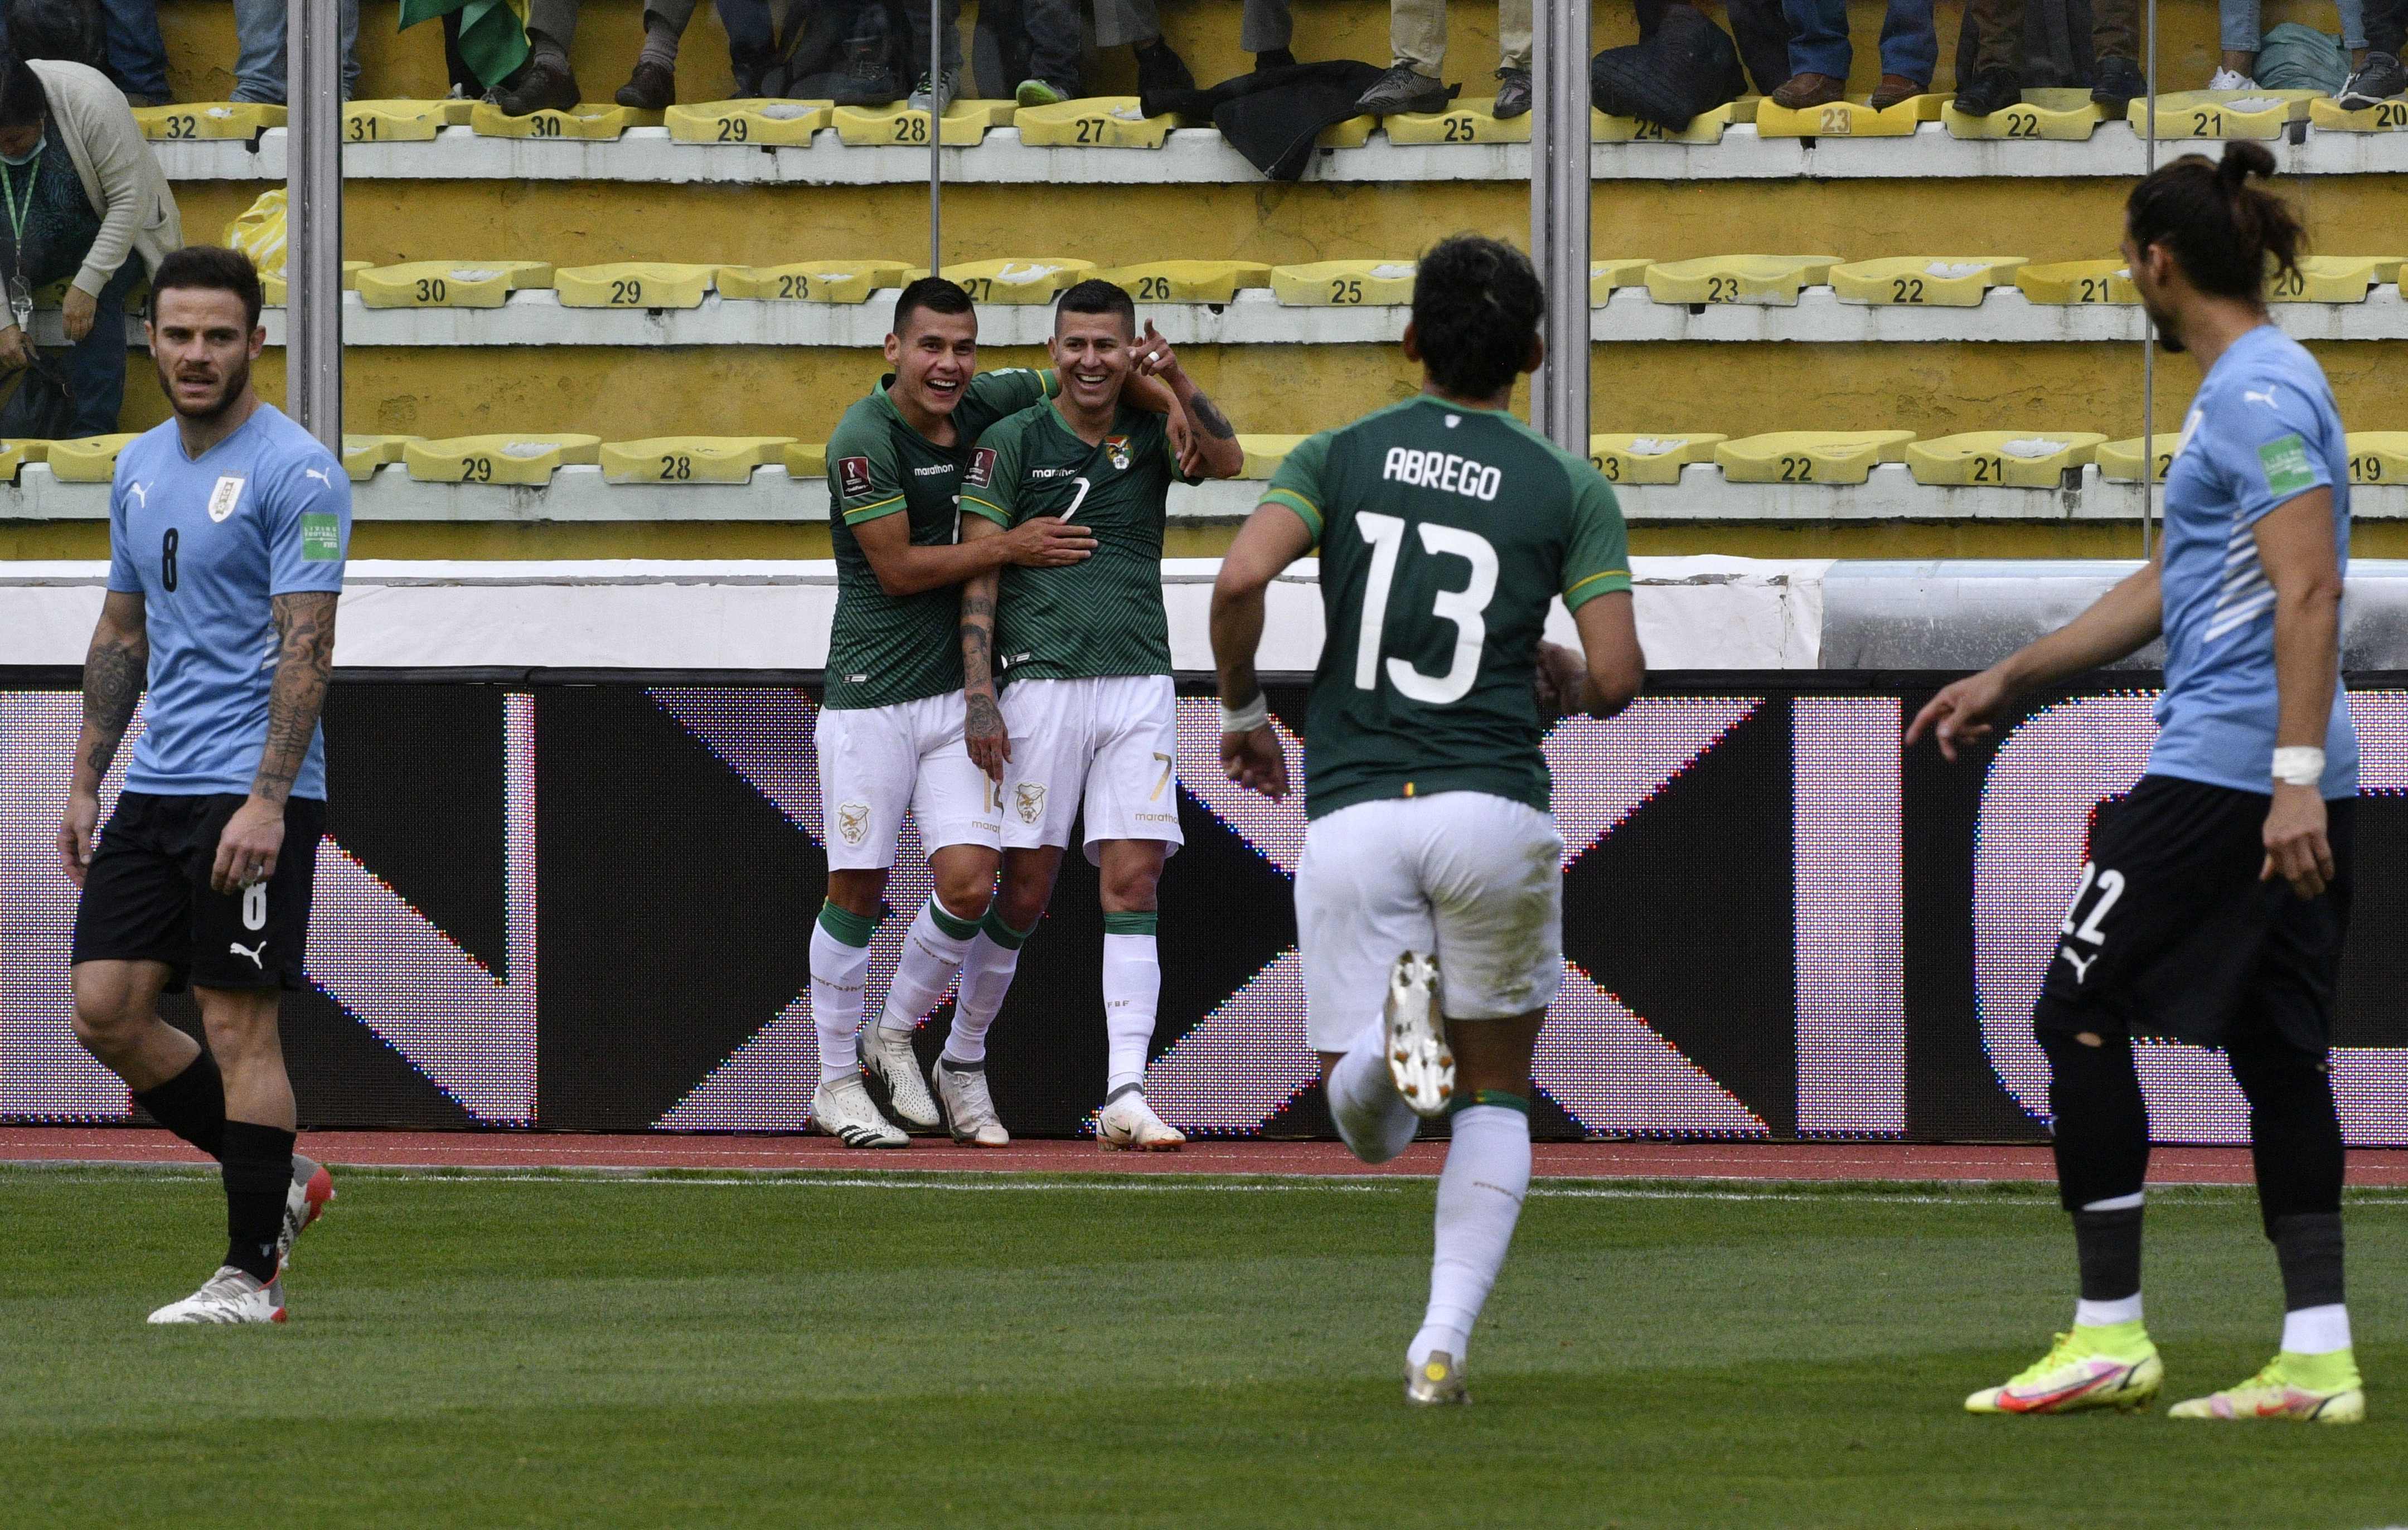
(1132,992)
(1372,1116)
(1478,1199)
(2090,1314)
(986,976)
(839,975)
(931,955)
(2316,1330)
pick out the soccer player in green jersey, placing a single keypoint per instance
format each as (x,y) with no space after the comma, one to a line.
(890,727)
(1446,530)
(1089,709)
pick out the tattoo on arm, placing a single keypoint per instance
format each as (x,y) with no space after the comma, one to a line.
(304,654)
(978,634)
(1209,418)
(113,676)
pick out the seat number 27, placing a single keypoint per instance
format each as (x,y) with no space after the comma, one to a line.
(1465,610)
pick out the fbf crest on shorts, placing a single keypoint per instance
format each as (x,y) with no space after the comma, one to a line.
(1029,799)
(853,822)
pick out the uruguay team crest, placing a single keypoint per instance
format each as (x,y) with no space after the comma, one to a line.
(853,822)
(1116,446)
(1029,799)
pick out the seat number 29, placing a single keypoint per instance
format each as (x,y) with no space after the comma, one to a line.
(1465,610)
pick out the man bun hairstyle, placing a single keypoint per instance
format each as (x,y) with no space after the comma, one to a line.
(1094,297)
(211,269)
(2227,233)
(1477,307)
(934,293)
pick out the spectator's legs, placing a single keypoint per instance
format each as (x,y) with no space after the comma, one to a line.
(1122,23)
(1269,27)
(2001,24)
(2353,29)
(1910,48)
(918,11)
(2114,29)
(751,41)
(1418,36)
(664,23)
(2240,31)
(95,364)
(552,25)
(259,65)
(137,55)
(1514,33)
(2387,27)
(1819,36)
(1760,30)
(1055,40)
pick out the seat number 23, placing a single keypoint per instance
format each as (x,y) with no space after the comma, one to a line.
(1465,610)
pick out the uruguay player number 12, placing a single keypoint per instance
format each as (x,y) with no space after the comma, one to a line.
(1464,609)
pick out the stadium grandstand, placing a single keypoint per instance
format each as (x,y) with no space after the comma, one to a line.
(1849,591)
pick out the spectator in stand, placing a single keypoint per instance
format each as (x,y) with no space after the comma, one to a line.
(2241,33)
(2379,77)
(2115,77)
(751,42)
(1054,39)
(120,38)
(1267,32)
(1417,54)
(87,205)
(1819,53)
(547,82)
(259,40)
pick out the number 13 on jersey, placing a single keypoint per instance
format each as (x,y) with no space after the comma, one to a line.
(1465,610)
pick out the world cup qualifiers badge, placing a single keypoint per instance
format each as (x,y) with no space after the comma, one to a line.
(852,475)
(1117,448)
(981,470)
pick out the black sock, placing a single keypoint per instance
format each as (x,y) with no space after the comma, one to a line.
(258,1178)
(191,1105)
(2308,1247)
(2108,1246)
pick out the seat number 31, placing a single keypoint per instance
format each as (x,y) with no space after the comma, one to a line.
(1465,610)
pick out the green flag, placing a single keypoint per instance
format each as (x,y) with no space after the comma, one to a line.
(492,32)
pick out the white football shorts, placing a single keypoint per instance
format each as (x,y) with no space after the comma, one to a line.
(877,761)
(1112,741)
(1474,877)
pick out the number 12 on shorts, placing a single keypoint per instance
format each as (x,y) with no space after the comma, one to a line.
(2109,885)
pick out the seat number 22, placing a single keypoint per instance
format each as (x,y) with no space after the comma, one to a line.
(1465,610)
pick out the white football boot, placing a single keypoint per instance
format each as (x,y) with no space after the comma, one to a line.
(230,1295)
(1419,1059)
(1435,1383)
(845,1111)
(891,1060)
(304,1203)
(1128,1123)
(969,1108)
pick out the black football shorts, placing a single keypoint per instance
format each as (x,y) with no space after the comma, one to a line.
(147,897)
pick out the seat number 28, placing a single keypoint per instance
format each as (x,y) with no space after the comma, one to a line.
(1465,610)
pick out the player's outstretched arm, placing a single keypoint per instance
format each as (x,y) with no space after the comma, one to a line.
(2124,620)
(1215,450)
(115,670)
(903,568)
(982,729)
(1271,538)
(304,660)
(2295,547)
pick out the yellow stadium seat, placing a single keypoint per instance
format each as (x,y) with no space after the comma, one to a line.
(2014,459)
(810,281)
(1849,120)
(14,455)
(1264,454)
(1470,120)
(2119,462)
(764,125)
(1605,276)
(1188,281)
(2068,116)
(2333,279)
(965,126)
(398,121)
(1774,279)
(91,460)
(528,459)
(807,460)
(1706,127)
(272,291)
(1093,122)
(1026,280)
(1811,456)
(363,454)
(243,120)
(2326,116)
(1649,459)
(633,284)
(2223,114)
(1354,132)
(450,285)
(1943,281)
(589,121)
(2077,283)
(2378,456)
(1344,284)
(691,458)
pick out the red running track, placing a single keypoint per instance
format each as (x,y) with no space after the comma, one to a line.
(1559,1160)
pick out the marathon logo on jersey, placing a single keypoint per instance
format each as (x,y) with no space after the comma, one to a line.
(223,498)
(982,468)
(1116,448)
(1442,470)
(853,475)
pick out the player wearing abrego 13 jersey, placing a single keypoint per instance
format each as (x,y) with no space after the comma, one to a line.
(1088,710)
(1430,900)
(890,725)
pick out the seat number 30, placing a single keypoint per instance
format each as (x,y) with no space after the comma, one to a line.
(1464,609)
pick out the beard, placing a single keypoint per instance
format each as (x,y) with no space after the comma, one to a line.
(237,378)
(2168,338)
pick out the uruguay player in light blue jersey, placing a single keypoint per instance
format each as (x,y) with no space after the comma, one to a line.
(228,527)
(2214,903)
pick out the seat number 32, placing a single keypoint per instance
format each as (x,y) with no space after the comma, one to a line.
(1465,610)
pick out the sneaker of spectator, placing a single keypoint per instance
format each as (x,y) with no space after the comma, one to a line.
(545,82)
(1513,94)
(934,96)
(1820,53)
(1896,90)
(2116,83)
(1988,92)
(2229,79)
(1808,89)
(2380,78)
(1403,89)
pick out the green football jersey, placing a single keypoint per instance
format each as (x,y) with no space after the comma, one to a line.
(1445,533)
(1103,616)
(883,649)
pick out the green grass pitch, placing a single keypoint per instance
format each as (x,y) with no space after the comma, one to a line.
(1167,1352)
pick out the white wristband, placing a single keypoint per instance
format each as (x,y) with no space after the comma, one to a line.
(2299,765)
(1246,718)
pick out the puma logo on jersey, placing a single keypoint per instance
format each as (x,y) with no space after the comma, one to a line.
(258,958)
(1442,470)
(140,494)
(319,474)
(2266,398)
